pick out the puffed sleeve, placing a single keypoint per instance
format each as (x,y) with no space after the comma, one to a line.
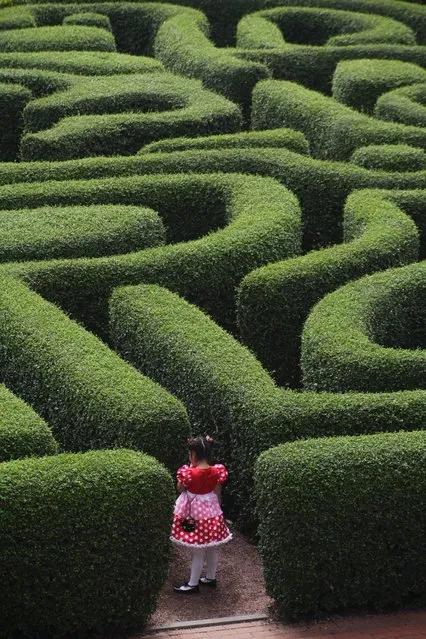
(183,475)
(222,473)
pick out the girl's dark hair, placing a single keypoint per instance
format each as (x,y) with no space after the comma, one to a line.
(202,447)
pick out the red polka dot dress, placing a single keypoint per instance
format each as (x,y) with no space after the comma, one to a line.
(200,503)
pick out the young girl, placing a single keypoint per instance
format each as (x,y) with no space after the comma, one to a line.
(198,521)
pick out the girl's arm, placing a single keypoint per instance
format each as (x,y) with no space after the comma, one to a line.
(218,490)
(180,487)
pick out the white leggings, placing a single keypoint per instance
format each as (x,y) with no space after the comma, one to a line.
(212,554)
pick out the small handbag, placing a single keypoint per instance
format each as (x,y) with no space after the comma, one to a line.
(189,524)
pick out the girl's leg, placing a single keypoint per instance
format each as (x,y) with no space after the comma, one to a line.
(196,566)
(212,560)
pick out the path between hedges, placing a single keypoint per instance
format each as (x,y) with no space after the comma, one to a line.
(241,591)
(241,588)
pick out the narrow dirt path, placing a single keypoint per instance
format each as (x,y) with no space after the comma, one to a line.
(240,589)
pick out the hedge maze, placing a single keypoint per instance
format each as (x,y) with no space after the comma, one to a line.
(212,218)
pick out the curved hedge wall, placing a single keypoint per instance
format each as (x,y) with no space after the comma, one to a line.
(275,300)
(260,220)
(340,349)
(86,119)
(85,541)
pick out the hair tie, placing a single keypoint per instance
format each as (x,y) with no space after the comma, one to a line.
(209,439)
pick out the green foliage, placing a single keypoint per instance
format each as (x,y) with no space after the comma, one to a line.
(86,118)
(390,157)
(183,46)
(54,38)
(295,62)
(87,394)
(226,390)
(89,19)
(12,103)
(80,62)
(406,105)
(224,15)
(174,343)
(312,181)
(369,334)
(275,300)
(333,130)
(22,432)
(275,138)
(318,26)
(260,220)
(75,231)
(134,25)
(359,83)
(16,18)
(342,522)
(84,541)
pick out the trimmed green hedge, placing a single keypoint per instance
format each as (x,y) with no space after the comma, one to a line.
(406,105)
(16,18)
(183,46)
(224,15)
(333,130)
(275,138)
(174,343)
(390,157)
(319,26)
(295,62)
(38,83)
(76,231)
(89,19)
(85,121)
(359,83)
(23,433)
(87,394)
(342,522)
(73,38)
(413,203)
(80,62)
(13,100)
(311,180)
(367,335)
(85,541)
(134,25)
(225,388)
(256,220)
(275,300)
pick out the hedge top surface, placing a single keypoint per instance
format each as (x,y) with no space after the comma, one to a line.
(50,232)
(390,157)
(332,129)
(73,38)
(406,105)
(80,62)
